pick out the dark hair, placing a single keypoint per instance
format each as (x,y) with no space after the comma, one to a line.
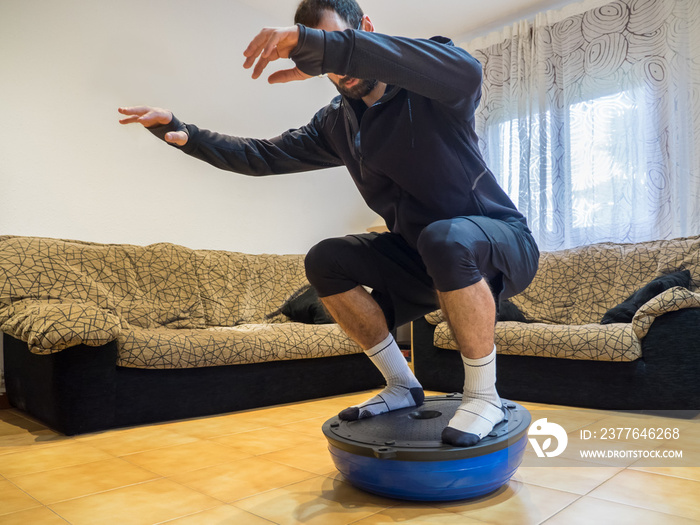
(309,11)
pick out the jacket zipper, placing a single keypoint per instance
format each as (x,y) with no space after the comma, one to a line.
(357,136)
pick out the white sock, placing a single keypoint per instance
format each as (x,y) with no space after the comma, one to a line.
(480,410)
(402,390)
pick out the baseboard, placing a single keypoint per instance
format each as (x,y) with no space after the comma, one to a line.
(4,402)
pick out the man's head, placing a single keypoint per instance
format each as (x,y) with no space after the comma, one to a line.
(309,12)
(338,15)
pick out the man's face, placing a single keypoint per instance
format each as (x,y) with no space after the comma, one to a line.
(350,87)
(354,88)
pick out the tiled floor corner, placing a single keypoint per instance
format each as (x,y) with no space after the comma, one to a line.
(272,466)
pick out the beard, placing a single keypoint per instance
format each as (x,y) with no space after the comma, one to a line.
(363,88)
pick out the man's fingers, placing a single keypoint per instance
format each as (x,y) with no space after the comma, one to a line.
(176,137)
(145,115)
(249,62)
(287,75)
(148,119)
(256,47)
(141,114)
(261,65)
(268,45)
(271,45)
(137,110)
(129,120)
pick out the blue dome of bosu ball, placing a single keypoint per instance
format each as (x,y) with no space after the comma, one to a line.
(400,455)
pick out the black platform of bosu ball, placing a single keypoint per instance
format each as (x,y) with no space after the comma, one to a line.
(400,455)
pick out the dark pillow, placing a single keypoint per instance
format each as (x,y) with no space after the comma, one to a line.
(507,311)
(304,306)
(624,312)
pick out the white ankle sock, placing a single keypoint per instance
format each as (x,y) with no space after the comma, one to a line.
(480,410)
(402,390)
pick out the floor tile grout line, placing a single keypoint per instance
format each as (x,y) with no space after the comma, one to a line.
(232,502)
(235,461)
(48,505)
(534,484)
(609,501)
(57,514)
(216,507)
(38,503)
(63,466)
(263,427)
(622,469)
(181,473)
(47,444)
(667,474)
(189,514)
(544,521)
(638,507)
(628,504)
(369,516)
(308,440)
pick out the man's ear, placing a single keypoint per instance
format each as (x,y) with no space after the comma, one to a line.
(366,24)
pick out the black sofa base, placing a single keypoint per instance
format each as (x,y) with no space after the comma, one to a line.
(80,389)
(667,377)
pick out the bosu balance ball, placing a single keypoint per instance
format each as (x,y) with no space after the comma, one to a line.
(400,454)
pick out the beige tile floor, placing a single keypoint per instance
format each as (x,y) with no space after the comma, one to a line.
(272,466)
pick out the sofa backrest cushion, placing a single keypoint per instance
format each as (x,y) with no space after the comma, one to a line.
(145,286)
(151,286)
(578,285)
(241,288)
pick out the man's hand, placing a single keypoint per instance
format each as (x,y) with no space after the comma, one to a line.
(149,117)
(273,43)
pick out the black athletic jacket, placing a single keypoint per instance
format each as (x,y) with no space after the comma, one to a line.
(413,155)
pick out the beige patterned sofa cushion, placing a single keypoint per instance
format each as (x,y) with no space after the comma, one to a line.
(242,288)
(144,286)
(52,325)
(247,343)
(611,342)
(574,288)
(579,285)
(671,300)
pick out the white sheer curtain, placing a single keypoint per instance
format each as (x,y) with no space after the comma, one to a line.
(591,121)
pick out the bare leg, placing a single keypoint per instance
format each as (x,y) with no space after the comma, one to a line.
(363,320)
(471,314)
(359,316)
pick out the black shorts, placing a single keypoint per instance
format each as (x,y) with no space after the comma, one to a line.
(450,255)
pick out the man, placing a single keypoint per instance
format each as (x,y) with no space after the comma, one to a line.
(404,128)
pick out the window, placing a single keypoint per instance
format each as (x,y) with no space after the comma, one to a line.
(599,177)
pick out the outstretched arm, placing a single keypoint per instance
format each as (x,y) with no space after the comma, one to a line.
(294,150)
(436,69)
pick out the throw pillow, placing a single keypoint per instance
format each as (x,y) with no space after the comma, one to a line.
(624,312)
(507,311)
(304,306)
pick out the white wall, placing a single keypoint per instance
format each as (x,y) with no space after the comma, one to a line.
(68,170)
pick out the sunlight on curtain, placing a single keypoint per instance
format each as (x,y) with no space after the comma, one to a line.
(591,122)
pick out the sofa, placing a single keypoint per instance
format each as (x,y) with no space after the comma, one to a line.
(609,325)
(98,336)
